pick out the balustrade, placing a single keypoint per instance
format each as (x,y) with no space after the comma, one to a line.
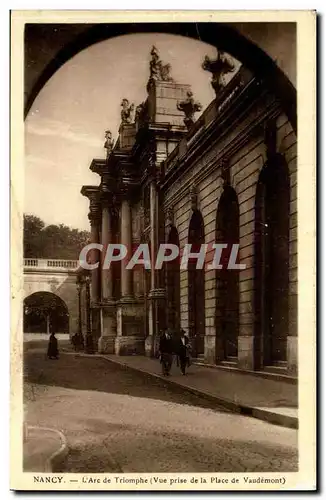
(51,263)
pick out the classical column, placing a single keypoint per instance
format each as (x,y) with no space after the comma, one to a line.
(130,334)
(153,232)
(79,337)
(89,343)
(94,256)
(157,292)
(93,194)
(106,342)
(106,280)
(126,239)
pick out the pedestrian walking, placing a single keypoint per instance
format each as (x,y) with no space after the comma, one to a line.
(53,351)
(184,351)
(166,352)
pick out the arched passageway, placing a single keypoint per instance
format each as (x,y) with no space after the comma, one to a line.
(173,285)
(45,312)
(227,280)
(196,285)
(272,263)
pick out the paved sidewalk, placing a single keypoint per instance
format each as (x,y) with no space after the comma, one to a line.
(272,400)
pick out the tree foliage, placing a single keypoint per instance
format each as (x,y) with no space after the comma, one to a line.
(52,242)
(43,304)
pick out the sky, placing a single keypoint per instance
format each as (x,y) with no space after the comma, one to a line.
(65,127)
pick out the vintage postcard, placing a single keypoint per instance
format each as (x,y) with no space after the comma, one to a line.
(163,250)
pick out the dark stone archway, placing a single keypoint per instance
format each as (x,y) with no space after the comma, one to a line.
(227,280)
(196,285)
(272,263)
(45,312)
(77,37)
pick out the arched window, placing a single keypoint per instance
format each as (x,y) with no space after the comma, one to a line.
(196,285)
(272,263)
(227,280)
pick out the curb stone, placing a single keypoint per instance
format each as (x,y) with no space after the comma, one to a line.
(249,411)
(264,375)
(56,461)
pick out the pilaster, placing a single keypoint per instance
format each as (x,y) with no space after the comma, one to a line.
(94,216)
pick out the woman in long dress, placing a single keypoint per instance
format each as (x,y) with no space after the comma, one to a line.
(53,351)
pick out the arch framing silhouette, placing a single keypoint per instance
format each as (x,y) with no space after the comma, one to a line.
(220,35)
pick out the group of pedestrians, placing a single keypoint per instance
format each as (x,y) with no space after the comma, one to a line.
(171,345)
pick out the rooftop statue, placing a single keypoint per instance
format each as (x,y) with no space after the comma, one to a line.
(189,106)
(141,114)
(158,70)
(219,67)
(108,145)
(126,112)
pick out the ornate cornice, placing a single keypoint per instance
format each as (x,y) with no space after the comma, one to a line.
(127,179)
(98,166)
(94,196)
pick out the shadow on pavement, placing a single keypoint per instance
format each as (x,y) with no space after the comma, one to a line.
(87,374)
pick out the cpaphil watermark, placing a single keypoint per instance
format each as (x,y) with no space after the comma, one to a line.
(204,256)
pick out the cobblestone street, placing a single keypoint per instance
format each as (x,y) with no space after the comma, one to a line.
(116,420)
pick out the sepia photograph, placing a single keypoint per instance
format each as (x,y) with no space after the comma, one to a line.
(156,276)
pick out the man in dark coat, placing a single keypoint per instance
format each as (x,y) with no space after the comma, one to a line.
(166,352)
(183,351)
(53,351)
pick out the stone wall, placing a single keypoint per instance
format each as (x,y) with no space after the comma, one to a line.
(245,167)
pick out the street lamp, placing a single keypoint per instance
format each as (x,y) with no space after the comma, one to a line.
(89,347)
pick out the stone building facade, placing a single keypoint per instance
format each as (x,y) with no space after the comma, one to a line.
(227,177)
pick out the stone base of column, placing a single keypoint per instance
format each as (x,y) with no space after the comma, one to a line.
(129,345)
(106,343)
(149,346)
(246,353)
(292,356)
(130,318)
(130,327)
(210,349)
(96,323)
